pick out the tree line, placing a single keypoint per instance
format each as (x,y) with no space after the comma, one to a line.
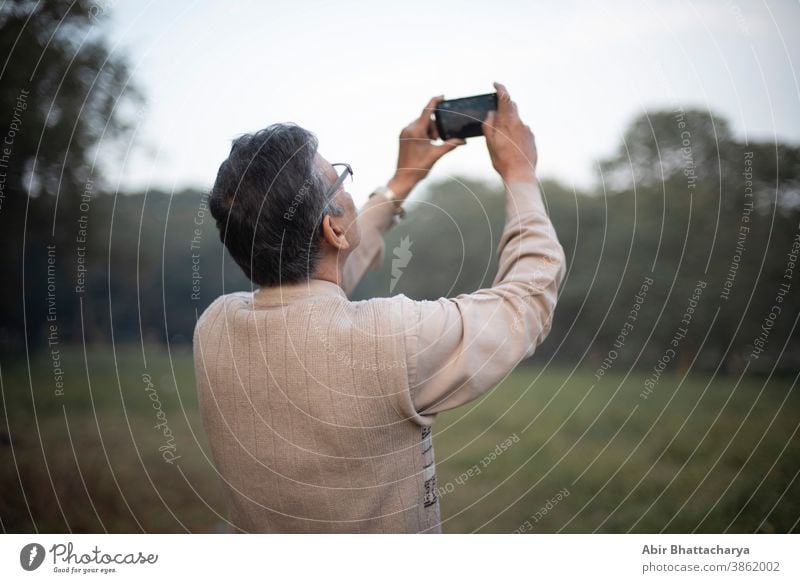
(683,254)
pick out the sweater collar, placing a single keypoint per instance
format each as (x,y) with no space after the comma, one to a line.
(286,294)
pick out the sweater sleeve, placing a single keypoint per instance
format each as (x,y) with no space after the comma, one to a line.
(459,348)
(375,218)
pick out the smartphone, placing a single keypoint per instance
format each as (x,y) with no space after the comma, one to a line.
(462,118)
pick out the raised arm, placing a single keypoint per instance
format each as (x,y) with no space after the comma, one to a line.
(416,156)
(374,219)
(460,348)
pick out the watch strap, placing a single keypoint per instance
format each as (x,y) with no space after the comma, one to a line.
(397,204)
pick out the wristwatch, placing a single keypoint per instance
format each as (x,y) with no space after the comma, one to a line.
(397,203)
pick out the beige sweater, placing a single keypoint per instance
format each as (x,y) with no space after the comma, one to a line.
(319,410)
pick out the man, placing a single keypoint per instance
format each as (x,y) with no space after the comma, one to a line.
(318,409)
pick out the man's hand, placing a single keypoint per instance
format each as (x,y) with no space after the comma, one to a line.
(417,152)
(510,142)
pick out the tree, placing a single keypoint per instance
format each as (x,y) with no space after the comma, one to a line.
(64,95)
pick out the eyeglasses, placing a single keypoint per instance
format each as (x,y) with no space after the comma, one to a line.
(345,177)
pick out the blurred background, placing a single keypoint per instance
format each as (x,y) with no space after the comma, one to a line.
(664,399)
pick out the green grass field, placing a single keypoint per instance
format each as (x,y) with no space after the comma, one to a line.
(546,451)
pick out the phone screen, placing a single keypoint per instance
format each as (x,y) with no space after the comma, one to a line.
(462,118)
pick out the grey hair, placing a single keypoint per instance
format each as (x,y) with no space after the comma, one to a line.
(269,201)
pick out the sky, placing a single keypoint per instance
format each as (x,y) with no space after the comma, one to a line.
(355,73)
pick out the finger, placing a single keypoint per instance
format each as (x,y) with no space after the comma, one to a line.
(488,123)
(448,146)
(433,131)
(425,116)
(504,103)
(454,143)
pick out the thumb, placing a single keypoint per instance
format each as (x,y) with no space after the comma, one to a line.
(454,142)
(448,146)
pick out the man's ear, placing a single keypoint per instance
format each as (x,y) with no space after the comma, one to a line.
(333,233)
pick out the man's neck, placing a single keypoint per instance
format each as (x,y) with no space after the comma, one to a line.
(329,269)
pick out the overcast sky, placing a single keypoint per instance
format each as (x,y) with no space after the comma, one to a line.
(356,72)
